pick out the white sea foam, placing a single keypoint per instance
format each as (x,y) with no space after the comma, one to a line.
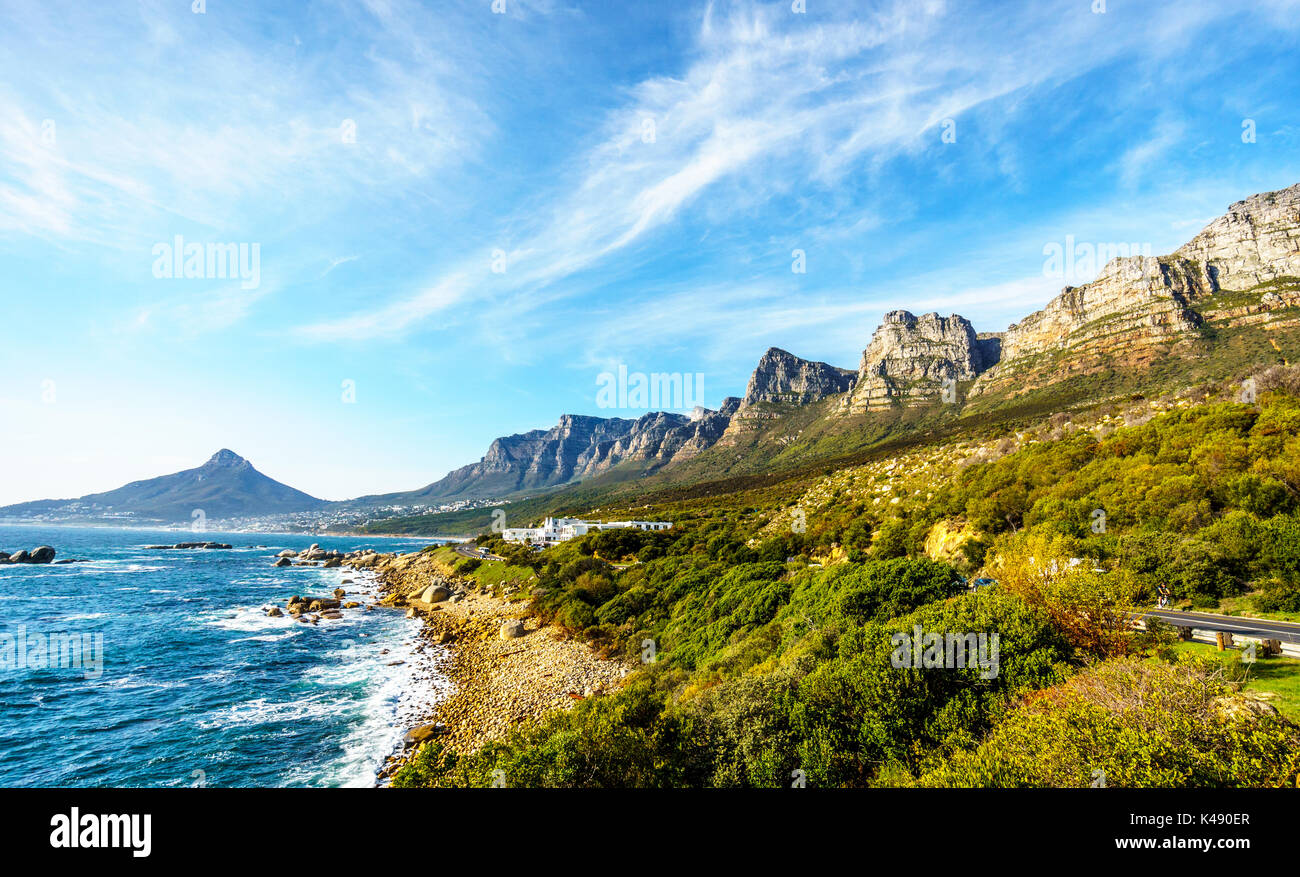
(268,638)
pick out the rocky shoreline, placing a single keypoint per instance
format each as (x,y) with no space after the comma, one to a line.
(505,669)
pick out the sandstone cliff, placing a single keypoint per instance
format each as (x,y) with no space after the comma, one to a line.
(784,377)
(1141,310)
(911,357)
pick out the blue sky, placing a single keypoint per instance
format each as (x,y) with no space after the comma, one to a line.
(643,171)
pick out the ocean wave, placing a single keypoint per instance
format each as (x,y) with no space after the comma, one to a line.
(246,619)
(261,711)
(267,638)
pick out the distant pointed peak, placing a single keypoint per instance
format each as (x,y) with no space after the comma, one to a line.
(225,457)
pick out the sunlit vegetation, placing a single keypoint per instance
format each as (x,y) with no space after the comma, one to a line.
(764,649)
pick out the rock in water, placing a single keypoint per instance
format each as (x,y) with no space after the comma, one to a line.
(284,561)
(44,554)
(20,556)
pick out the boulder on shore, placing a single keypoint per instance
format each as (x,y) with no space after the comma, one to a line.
(421,733)
(435,594)
(512,629)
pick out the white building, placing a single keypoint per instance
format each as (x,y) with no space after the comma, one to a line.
(553,531)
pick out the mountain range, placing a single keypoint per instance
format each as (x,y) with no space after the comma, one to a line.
(1226,301)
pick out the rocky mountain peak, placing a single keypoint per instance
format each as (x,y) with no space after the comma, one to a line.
(783,377)
(910,357)
(225,459)
(1256,241)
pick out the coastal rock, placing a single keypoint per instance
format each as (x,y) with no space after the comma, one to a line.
(284,561)
(20,556)
(332,563)
(274,612)
(512,629)
(340,593)
(321,604)
(288,552)
(421,733)
(435,594)
(43,554)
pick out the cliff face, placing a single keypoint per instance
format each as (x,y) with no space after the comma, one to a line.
(577,447)
(1141,309)
(910,357)
(1256,241)
(784,377)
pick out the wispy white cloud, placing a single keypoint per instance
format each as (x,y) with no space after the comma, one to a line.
(768,106)
(1136,160)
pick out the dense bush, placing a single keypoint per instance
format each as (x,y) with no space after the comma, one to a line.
(1137,724)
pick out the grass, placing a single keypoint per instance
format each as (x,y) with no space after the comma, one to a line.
(1279,676)
(489,574)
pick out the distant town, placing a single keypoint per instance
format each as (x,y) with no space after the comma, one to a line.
(331,519)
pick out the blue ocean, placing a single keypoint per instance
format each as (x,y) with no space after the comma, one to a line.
(160,668)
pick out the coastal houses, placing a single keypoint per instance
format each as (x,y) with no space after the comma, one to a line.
(553,531)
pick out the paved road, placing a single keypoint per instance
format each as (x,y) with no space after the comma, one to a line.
(1285,631)
(469,549)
